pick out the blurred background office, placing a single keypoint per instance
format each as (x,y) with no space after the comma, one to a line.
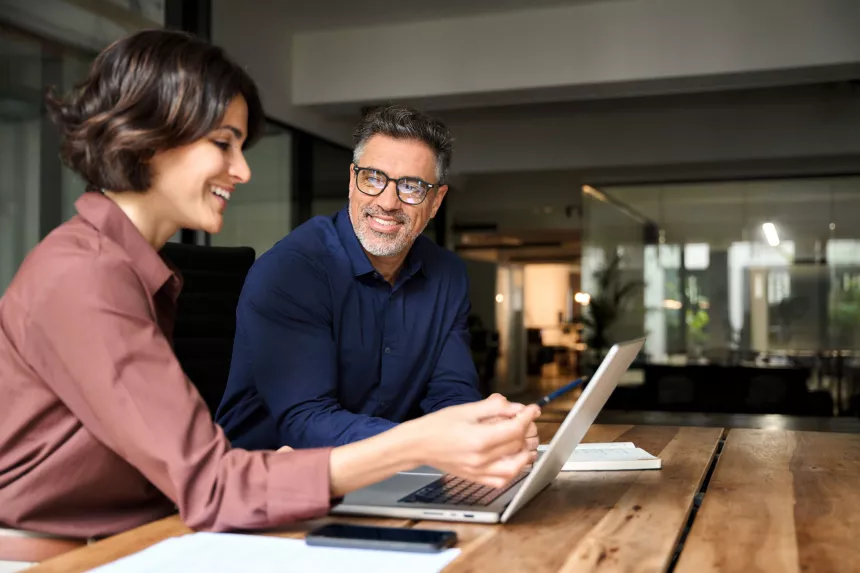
(687,170)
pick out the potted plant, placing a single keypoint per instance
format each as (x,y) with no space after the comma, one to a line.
(606,305)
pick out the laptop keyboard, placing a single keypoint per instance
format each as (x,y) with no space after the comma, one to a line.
(451,490)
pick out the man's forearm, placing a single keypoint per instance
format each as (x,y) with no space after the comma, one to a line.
(442,400)
(315,428)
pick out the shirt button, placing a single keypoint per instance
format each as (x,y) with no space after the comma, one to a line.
(387,350)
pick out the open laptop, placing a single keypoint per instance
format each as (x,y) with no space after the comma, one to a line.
(427,493)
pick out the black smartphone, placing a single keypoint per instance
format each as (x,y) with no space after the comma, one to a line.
(388,538)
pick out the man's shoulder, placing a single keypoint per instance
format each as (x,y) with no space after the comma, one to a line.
(310,243)
(438,259)
(300,263)
(313,237)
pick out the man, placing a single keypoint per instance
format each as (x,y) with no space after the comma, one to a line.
(356,322)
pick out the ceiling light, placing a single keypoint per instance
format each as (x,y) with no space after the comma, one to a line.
(770,234)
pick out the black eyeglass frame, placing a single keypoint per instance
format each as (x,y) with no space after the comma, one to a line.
(430,186)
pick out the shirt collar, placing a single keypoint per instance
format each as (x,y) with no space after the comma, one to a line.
(414,262)
(110,221)
(358,258)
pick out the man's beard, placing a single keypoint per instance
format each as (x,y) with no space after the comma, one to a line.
(382,244)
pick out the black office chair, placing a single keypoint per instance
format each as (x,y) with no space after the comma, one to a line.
(206,312)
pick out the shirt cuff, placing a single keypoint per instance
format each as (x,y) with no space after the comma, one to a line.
(299,485)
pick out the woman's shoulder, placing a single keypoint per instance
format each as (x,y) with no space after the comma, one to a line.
(72,258)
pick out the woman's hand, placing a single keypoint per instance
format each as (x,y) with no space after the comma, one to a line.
(486,442)
(489,442)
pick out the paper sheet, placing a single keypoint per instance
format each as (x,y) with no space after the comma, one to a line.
(608,456)
(234,553)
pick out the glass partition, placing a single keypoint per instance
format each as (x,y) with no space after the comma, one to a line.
(755,275)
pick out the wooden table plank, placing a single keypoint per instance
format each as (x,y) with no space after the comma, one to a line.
(779,501)
(641,530)
(581,521)
(546,430)
(114,547)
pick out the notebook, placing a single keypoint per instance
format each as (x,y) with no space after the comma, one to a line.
(611,456)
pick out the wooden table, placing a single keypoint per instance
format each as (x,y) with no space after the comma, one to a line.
(633,521)
(583,520)
(780,501)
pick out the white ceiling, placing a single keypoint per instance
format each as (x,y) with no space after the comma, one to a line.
(330,14)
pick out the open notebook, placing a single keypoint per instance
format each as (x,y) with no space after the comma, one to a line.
(609,456)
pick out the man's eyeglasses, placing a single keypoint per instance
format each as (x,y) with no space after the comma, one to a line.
(410,190)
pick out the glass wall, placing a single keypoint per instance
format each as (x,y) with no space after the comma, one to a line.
(36,191)
(20,125)
(753,266)
(755,274)
(330,177)
(613,256)
(74,70)
(46,45)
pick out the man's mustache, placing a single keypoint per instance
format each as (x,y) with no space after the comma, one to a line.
(398,215)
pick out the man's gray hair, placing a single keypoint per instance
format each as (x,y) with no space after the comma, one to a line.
(401,122)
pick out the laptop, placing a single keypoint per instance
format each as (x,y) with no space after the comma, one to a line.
(427,493)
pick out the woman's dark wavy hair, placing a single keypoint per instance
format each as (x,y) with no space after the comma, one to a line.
(152,91)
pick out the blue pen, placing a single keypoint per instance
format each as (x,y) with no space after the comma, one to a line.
(560,392)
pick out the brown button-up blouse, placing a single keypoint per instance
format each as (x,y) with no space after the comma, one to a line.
(100,430)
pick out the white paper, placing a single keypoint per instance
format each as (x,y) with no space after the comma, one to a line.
(606,446)
(235,553)
(608,456)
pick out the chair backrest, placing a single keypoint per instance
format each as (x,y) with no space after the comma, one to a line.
(206,312)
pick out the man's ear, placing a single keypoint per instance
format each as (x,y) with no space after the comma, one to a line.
(437,200)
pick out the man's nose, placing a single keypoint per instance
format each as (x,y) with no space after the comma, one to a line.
(388,199)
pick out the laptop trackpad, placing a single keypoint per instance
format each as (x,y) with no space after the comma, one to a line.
(389,491)
(425,470)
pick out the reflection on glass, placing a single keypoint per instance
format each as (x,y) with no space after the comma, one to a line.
(74,71)
(716,285)
(330,170)
(20,136)
(751,301)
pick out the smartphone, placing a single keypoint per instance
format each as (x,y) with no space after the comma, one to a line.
(387,538)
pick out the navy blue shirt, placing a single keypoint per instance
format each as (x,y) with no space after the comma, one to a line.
(327,352)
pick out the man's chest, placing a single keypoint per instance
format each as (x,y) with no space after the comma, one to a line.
(383,332)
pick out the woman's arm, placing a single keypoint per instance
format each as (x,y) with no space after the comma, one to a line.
(455,440)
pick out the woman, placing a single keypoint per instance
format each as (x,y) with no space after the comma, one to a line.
(100,430)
